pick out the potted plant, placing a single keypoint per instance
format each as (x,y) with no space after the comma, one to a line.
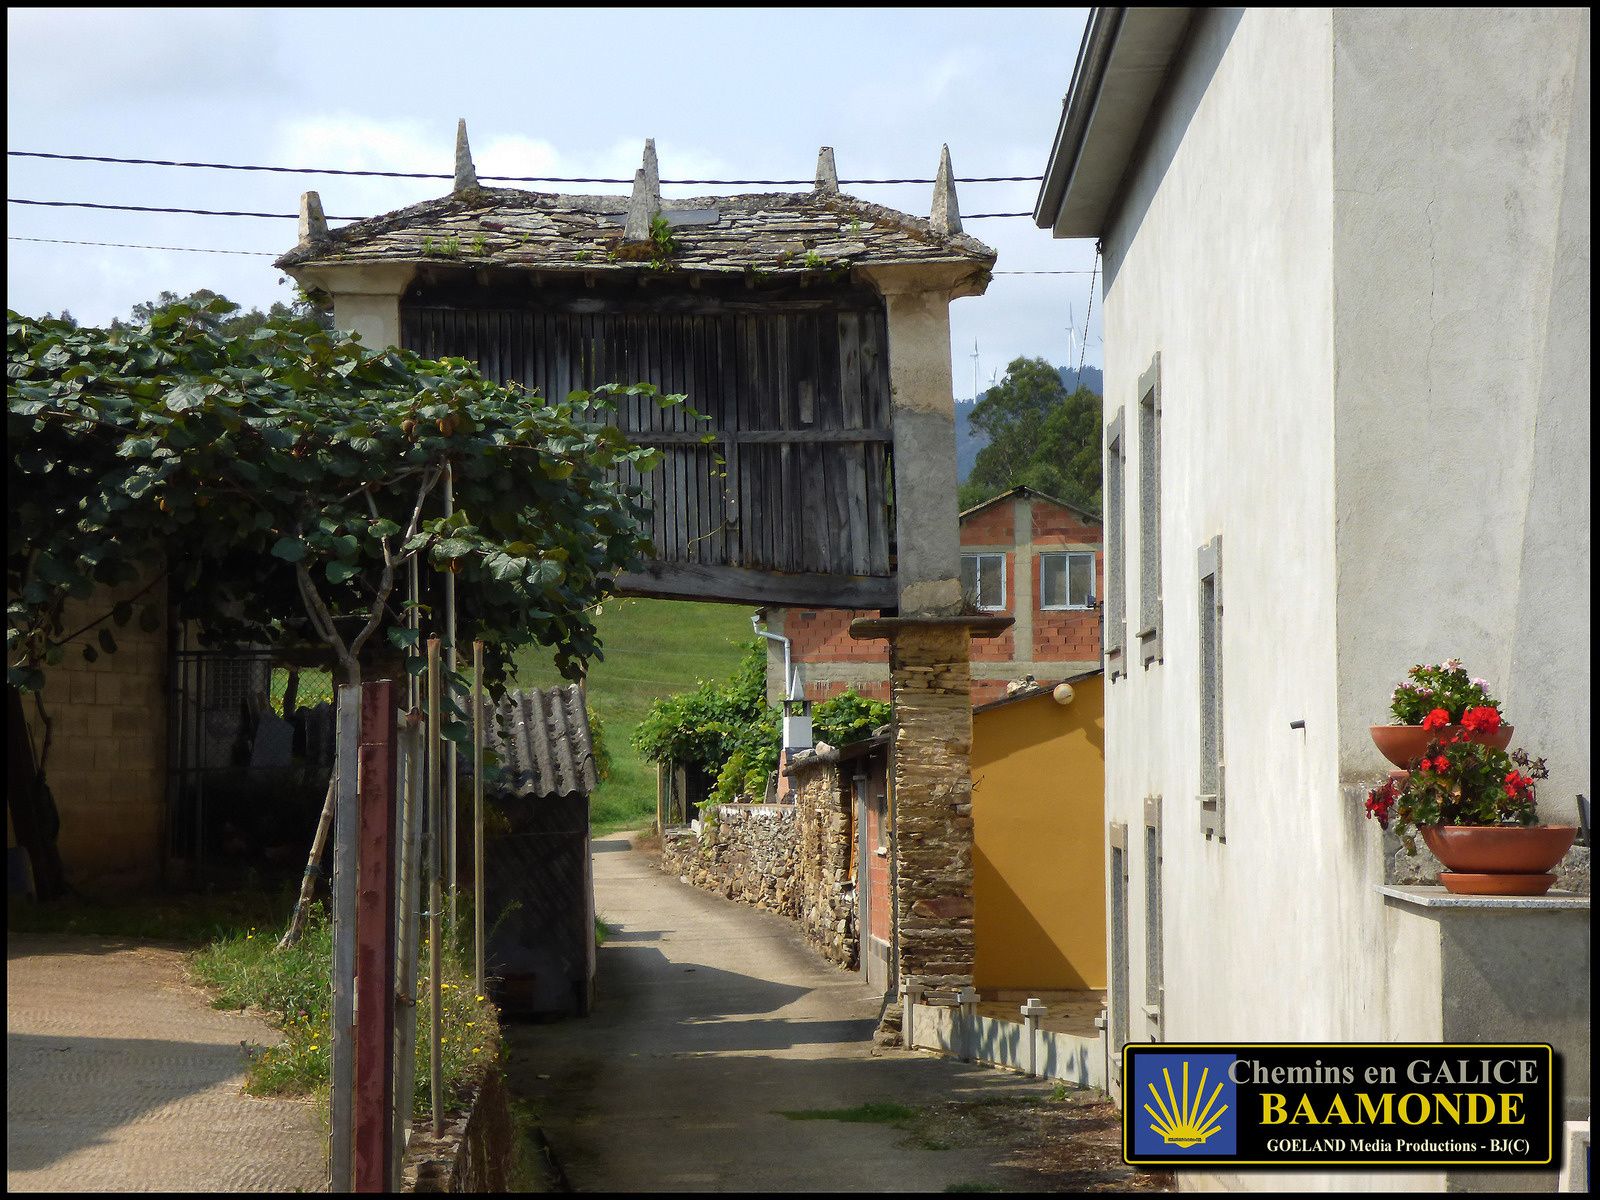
(1474,807)
(1439,701)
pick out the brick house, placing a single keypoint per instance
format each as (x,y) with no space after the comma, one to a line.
(1024,554)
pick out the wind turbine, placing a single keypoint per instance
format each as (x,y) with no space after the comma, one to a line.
(974,368)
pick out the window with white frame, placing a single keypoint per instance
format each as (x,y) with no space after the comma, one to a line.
(1066,580)
(983,580)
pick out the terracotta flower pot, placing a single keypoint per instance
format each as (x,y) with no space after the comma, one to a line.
(1499,860)
(1403,744)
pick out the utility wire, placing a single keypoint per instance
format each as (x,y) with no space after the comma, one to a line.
(214,212)
(141,246)
(274,254)
(165,162)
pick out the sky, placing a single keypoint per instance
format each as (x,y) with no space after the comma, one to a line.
(726,93)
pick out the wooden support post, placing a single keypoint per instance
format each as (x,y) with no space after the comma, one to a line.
(661,798)
(375,927)
(346,831)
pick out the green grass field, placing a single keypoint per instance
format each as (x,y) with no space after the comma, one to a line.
(652,649)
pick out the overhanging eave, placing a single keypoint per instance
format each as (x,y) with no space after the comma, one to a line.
(1122,63)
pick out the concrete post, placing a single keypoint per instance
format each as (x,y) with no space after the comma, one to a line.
(967,999)
(366,297)
(1032,1013)
(910,997)
(927,530)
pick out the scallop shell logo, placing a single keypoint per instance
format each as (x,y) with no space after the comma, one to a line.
(1188,1121)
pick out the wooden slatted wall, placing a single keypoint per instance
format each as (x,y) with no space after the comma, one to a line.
(798,401)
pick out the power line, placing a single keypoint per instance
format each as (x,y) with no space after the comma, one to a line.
(150,208)
(141,246)
(211,166)
(214,212)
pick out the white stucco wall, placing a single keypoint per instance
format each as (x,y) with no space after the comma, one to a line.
(1462,326)
(1220,260)
(1359,243)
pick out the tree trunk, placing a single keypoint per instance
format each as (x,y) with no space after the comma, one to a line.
(34,818)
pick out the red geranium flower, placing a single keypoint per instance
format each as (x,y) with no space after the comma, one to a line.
(1437,719)
(1482,719)
(1441,764)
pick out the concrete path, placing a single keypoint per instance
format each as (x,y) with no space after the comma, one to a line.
(711,1020)
(119,1077)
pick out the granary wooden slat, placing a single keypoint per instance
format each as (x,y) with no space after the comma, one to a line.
(810,327)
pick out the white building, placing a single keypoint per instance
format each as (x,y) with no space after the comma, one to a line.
(1346,281)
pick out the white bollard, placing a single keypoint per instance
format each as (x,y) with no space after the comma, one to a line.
(967,998)
(911,996)
(1032,1013)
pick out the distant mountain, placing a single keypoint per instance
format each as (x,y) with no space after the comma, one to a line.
(969,441)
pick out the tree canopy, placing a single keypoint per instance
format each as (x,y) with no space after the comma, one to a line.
(284,480)
(1040,435)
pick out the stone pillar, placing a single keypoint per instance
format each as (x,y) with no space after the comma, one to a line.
(927,521)
(931,688)
(366,297)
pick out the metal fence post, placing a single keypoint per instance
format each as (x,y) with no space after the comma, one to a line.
(409,936)
(375,925)
(343,1065)
(435,898)
(477,814)
(452,854)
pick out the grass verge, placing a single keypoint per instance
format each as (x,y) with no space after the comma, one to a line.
(861,1114)
(245,970)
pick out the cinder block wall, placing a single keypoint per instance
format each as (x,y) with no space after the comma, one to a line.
(108,754)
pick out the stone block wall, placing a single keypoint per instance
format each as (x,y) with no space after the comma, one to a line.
(108,751)
(933,803)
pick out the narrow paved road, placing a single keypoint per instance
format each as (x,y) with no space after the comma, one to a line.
(711,1020)
(119,1077)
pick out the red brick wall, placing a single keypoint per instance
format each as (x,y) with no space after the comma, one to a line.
(823,636)
(994,526)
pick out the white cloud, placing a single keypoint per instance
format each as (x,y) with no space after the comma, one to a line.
(84,56)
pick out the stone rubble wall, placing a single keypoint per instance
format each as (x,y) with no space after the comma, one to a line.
(827,882)
(791,858)
(744,852)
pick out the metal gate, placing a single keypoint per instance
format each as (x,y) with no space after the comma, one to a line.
(251,743)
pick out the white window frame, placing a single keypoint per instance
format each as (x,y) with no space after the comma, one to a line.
(978,558)
(1068,556)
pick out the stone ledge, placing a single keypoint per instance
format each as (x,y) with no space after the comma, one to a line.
(872,628)
(1438,897)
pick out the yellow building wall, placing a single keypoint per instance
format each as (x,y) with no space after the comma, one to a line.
(1038,808)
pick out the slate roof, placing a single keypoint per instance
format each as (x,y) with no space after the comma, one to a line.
(542,738)
(771,232)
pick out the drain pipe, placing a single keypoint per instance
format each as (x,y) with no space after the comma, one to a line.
(755,624)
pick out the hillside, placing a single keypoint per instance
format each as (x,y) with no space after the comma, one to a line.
(969,441)
(652,648)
